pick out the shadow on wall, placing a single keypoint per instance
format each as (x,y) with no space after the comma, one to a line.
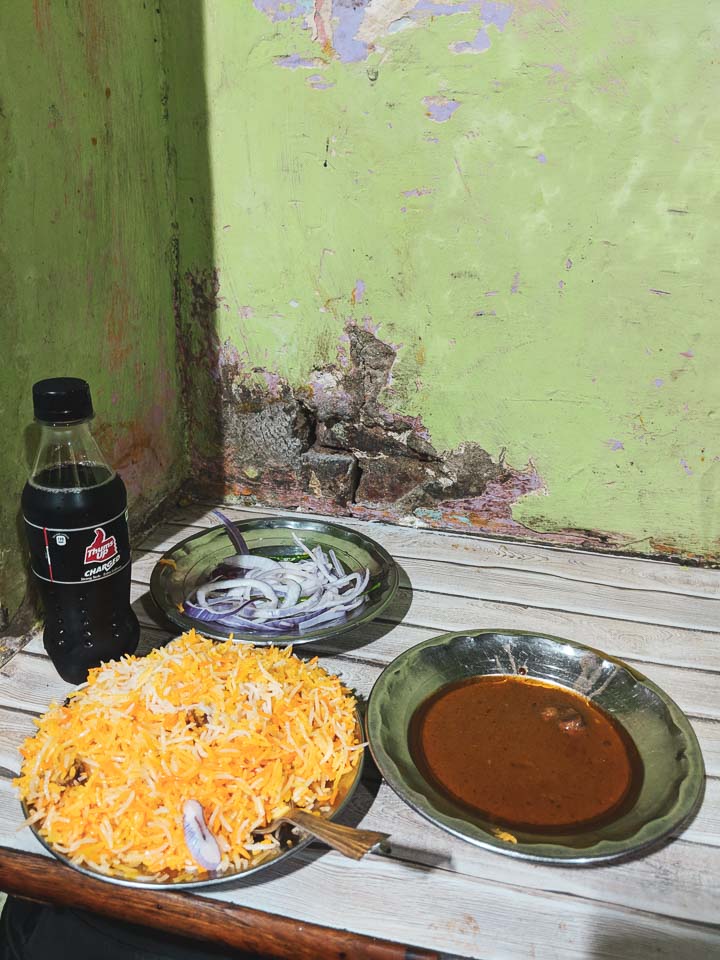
(88,262)
(195,278)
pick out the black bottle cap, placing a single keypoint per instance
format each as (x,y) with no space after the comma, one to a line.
(62,400)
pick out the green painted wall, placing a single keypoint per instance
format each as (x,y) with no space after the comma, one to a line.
(528,193)
(86,246)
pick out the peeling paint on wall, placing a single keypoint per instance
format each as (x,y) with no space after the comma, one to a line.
(333,447)
(350,30)
(521,251)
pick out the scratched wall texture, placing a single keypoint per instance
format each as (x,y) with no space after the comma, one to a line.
(484,227)
(86,252)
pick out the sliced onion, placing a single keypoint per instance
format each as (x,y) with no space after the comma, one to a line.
(292,595)
(310,604)
(277,596)
(232,532)
(336,564)
(200,842)
(213,587)
(249,561)
(207,615)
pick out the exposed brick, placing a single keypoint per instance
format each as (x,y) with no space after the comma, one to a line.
(330,474)
(344,435)
(262,433)
(369,373)
(466,473)
(328,398)
(389,479)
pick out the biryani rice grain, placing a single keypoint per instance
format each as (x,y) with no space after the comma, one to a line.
(277,731)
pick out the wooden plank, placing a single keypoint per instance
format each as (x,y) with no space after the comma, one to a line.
(15,726)
(403,541)
(537,590)
(234,926)
(437,908)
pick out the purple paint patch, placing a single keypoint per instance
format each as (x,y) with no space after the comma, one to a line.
(283,9)
(293,61)
(246,312)
(561,284)
(348,15)
(228,358)
(686,467)
(417,192)
(479,44)
(273,381)
(688,353)
(541,158)
(491,293)
(440,109)
(358,291)
(318,82)
(370,326)
(615,444)
(403,209)
(446,9)
(515,284)
(568,264)
(658,382)
(496,13)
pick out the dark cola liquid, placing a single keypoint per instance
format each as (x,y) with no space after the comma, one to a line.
(76,524)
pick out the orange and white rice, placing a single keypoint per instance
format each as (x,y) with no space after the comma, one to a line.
(246,731)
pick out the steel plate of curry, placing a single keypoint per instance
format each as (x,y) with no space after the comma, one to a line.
(525,754)
(534,746)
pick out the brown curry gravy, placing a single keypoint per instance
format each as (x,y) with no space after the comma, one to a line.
(526,754)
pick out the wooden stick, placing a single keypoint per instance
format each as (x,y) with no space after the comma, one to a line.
(35,877)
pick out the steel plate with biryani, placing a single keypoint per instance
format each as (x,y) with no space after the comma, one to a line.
(534,746)
(167,770)
(274,580)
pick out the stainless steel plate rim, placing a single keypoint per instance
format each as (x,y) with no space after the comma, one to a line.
(148,883)
(363,614)
(651,836)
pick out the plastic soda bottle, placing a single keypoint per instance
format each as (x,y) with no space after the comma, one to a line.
(75,511)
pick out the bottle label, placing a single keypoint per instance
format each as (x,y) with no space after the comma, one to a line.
(80,554)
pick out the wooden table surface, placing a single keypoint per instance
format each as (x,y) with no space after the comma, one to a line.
(441,896)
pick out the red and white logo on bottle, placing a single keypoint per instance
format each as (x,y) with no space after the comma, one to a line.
(102,547)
